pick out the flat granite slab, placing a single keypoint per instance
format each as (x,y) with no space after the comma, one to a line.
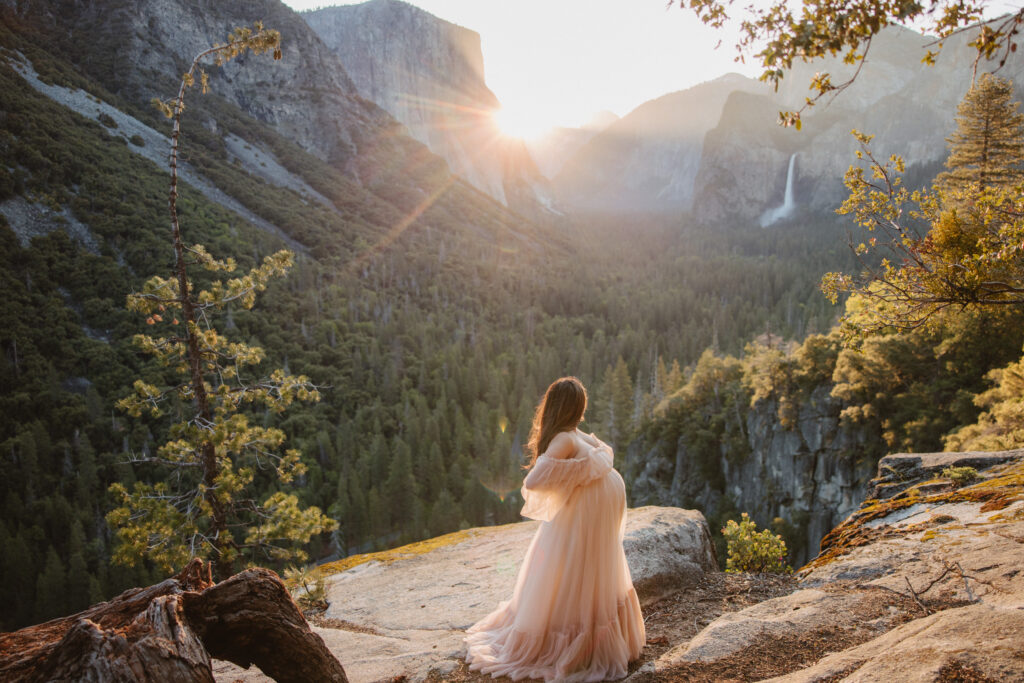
(404,612)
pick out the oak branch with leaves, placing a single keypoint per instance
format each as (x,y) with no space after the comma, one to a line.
(202,504)
(781,32)
(958,245)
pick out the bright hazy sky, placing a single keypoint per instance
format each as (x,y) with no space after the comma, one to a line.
(559,62)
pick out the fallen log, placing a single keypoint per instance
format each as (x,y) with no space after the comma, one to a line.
(170,630)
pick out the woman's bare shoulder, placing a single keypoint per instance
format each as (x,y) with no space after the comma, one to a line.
(562,446)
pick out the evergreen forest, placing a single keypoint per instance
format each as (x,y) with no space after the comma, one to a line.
(429,317)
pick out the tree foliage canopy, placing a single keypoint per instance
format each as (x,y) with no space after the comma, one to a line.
(780,32)
(958,245)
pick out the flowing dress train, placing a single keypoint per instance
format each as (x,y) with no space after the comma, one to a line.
(573,615)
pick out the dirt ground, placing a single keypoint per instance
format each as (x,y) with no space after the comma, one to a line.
(678,617)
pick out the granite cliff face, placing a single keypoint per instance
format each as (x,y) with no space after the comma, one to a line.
(812,474)
(429,74)
(307,96)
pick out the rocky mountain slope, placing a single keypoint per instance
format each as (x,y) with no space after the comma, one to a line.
(551,150)
(908,107)
(429,74)
(309,98)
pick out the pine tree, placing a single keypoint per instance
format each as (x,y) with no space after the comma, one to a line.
(78,583)
(202,503)
(987,148)
(970,256)
(674,380)
(400,487)
(444,514)
(51,588)
(620,398)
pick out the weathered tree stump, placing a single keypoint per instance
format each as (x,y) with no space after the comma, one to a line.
(169,631)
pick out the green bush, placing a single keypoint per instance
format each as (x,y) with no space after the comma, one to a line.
(107,120)
(750,550)
(960,475)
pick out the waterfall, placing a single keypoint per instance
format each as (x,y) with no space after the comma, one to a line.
(786,209)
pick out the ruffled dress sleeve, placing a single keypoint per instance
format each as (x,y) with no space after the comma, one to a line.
(551,482)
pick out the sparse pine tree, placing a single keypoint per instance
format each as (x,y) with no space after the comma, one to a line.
(202,503)
(674,380)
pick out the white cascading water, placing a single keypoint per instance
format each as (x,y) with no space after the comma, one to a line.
(779,212)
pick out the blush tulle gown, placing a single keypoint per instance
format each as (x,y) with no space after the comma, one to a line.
(574,615)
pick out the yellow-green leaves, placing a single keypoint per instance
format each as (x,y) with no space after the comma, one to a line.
(242,289)
(148,525)
(284,520)
(959,244)
(751,550)
(781,32)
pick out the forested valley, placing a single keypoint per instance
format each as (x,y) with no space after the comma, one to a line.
(430,317)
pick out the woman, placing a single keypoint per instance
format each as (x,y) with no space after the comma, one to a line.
(573,615)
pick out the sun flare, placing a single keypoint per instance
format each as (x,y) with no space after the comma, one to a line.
(525,124)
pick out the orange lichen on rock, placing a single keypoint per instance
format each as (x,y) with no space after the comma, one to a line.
(1003,486)
(402,552)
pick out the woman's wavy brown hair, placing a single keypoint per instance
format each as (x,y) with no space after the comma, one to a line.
(560,410)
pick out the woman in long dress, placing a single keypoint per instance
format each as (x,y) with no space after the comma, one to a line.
(573,615)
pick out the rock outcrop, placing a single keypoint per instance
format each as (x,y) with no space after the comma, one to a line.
(812,473)
(404,612)
(923,585)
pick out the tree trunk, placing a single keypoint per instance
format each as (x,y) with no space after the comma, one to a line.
(169,631)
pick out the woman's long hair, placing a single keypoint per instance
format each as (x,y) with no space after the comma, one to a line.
(560,410)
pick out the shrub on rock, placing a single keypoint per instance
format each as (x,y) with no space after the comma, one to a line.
(750,550)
